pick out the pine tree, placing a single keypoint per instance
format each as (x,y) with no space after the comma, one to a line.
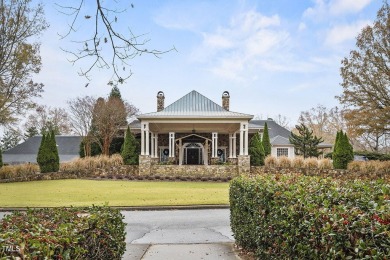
(41,157)
(304,142)
(129,149)
(54,157)
(48,158)
(266,141)
(115,93)
(1,158)
(256,151)
(343,152)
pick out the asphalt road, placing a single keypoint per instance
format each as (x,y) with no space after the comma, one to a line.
(178,234)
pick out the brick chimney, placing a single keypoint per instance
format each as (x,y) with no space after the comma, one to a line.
(225,100)
(160,101)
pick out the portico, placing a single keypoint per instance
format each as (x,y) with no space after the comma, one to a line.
(193,130)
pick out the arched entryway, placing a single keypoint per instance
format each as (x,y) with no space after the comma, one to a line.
(193,149)
(193,153)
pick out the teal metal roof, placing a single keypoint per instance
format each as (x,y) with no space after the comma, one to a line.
(194,104)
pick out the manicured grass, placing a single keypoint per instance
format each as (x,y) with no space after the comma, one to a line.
(57,193)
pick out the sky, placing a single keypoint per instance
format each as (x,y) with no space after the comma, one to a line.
(274,57)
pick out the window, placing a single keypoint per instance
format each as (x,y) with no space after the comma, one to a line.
(282,152)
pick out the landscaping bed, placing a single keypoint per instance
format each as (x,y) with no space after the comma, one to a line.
(293,216)
(63,233)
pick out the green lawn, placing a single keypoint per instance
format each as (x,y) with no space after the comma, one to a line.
(58,193)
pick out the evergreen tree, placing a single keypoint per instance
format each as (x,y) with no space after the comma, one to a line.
(30,132)
(305,143)
(48,158)
(266,141)
(1,158)
(256,151)
(115,93)
(343,152)
(54,159)
(129,149)
(42,152)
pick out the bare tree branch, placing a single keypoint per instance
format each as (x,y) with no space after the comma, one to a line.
(107,47)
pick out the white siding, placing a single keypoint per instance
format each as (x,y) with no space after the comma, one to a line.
(291,153)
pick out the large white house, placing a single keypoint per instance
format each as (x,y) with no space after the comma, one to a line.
(194,130)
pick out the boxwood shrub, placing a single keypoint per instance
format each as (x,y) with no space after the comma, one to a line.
(309,217)
(63,233)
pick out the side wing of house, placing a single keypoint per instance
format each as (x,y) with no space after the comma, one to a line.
(279,137)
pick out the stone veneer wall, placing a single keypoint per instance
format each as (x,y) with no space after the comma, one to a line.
(243,163)
(195,170)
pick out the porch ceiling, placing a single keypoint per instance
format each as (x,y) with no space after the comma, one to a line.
(198,127)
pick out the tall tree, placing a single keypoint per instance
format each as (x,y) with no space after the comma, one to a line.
(305,143)
(366,78)
(30,132)
(107,46)
(81,114)
(129,149)
(343,152)
(48,158)
(1,158)
(109,115)
(256,150)
(266,141)
(10,139)
(20,24)
(47,119)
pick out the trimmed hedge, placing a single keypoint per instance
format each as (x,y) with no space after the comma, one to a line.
(63,233)
(309,217)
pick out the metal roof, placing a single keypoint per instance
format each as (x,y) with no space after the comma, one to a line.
(68,149)
(194,105)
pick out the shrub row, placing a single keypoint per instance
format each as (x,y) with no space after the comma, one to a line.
(307,217)
(73,233)
(298,162)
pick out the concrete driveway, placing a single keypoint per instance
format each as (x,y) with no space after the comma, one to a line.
(178,234)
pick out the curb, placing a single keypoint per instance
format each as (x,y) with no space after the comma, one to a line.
(135,208)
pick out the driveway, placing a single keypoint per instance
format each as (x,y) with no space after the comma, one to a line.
(178,234)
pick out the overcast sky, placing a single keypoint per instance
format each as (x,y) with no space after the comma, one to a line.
(274,57)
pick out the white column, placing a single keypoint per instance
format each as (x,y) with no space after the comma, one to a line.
(230,145)
(241,139)
(206,153)
(152,144)
(144,134)
(235,145)
(214,152)
(171,144)
(156,145)
(147,143)
(180,153)
(246,139)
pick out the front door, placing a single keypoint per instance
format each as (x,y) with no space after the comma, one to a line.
(192,156)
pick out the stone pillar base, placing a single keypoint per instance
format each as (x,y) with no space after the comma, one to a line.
(144,165)
(171,160)
(214,160)
(244,164)
(232,161)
